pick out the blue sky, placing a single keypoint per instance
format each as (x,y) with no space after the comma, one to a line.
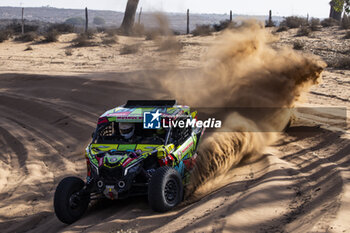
(316,8)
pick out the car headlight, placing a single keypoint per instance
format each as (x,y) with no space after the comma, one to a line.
(130,170)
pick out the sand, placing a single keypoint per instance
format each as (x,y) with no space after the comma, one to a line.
(49,106)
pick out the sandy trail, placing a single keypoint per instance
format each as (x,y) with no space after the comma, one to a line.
(299,185)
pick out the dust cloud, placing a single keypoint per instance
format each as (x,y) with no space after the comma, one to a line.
(242,69)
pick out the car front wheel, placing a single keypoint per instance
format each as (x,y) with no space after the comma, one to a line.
(69,205)
(165,189)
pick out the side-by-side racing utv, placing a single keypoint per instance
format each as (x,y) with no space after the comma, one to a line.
(136,149)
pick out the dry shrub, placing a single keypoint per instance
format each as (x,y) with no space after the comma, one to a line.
(68,52)
(294,21)
(111,32)
(16,27)
(27,37)
(5,34)
(304,31)
(347,35)
(90,33)
(51,36)
(171,44)
(329,22)
(345,22)
(61,28)
(282,28)
(202,30)
(224,24)
(298,45)
(315,24)
(340,63)
(155,34)
(129,49)
(109,40)
(84,40)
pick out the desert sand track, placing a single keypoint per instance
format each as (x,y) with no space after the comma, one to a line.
(301,184)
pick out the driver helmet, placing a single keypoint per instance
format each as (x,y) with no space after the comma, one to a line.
(126,129)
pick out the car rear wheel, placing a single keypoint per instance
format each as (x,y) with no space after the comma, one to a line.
(68,204)
(165,189)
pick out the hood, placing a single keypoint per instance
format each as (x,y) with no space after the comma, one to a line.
(114,155)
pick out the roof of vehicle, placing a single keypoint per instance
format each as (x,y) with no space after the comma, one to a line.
(133,111)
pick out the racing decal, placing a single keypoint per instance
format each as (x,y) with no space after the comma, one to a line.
(146,147)
(127,161)
(124,147)
(163,151)
(185,149)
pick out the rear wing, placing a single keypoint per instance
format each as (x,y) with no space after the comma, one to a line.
(149,103)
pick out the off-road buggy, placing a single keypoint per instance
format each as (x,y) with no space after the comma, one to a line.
(156,162)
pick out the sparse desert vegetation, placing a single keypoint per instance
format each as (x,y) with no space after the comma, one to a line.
(27,37)
(315,24)
(202,30)
(347,35)
(329,22)
(51,36)
(294,22)
(225,24)
(298,45)
(304,31)
(51,86)
(129,49)
(282,28)
(5,34)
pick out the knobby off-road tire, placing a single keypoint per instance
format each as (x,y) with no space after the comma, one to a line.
(165,189)
(69,208)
